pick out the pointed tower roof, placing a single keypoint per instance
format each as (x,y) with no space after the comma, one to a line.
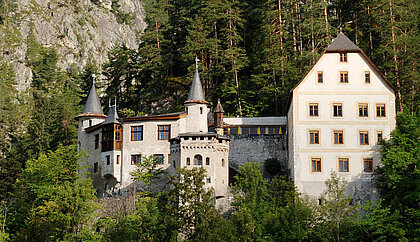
(112,116)
(219,108)
(342,43)
(93,106)
(196,91)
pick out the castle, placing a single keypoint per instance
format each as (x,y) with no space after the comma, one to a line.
(336,116)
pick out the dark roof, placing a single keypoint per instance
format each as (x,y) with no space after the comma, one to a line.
(219,108)
(154,117)
(112,116)
(342,43)
(196,90)
(93,105)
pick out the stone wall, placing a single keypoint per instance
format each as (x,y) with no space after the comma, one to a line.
(257,148)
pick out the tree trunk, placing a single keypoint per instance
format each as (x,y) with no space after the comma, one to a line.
(395,58)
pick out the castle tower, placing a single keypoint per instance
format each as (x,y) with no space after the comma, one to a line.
(111,148)
(196,106)
(218,118)
(196,147)
(92,115)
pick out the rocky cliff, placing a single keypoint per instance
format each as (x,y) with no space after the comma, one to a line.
(79,30)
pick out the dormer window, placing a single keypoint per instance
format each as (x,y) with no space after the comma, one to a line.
(343,57)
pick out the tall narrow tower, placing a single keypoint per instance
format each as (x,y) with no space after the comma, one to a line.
(196,106)
(92,115)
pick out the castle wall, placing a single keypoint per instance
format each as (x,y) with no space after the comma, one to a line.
(257,148)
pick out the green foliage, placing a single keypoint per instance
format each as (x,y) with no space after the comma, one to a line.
(147,170)
(53,200)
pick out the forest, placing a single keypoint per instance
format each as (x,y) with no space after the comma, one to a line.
(251,54)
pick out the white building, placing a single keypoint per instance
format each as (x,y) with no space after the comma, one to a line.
(336,115)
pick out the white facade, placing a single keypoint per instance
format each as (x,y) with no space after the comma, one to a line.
(326,132)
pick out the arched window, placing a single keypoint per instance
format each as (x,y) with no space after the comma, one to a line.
(223,162)
(207,161)
(198,160)
(188,161)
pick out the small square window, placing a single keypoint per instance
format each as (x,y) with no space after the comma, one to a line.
(337,110)
(316,164)
(135,159)
(164,132)
(367,76)
(363,110)
(208,180)
(364,138)
(380,110)
(344,77)
(338,137)
(313,137)
(368,165)
(343,165)
(136,133)
(320,77)
(313,109)
(158,159)
(343,57)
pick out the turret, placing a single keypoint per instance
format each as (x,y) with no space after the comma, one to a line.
(92,114)
(196,106)
(218,118)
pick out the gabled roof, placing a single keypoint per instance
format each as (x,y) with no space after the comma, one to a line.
(93,105)
(196,91)
(342,43)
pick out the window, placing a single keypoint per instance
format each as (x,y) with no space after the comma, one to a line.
(313,137)
(368,165)
(223,162)
(313,109)
(118,159)
(337,110)
(207,161)
(136,133)
(367,76)
(320,77)
(208,180)
(344,77)
(343,57)
(201,110)
(198,160)
(379,137)
(158,159)
(188,161)
(96,141)
(164,132)
(135,159)
(380,110)
(90,123)
(108,160)
(338,137)
(364,138)
(363,110)
(95,167)
(343,164)
(316,164)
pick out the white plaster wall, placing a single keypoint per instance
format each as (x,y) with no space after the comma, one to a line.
(150,144)
(349,95)
(196,121)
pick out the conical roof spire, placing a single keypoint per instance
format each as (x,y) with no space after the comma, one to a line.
(342,43)
(93,105)
(219,108)
(112,116)
(196,90)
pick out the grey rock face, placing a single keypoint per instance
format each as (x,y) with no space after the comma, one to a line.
(79,30)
